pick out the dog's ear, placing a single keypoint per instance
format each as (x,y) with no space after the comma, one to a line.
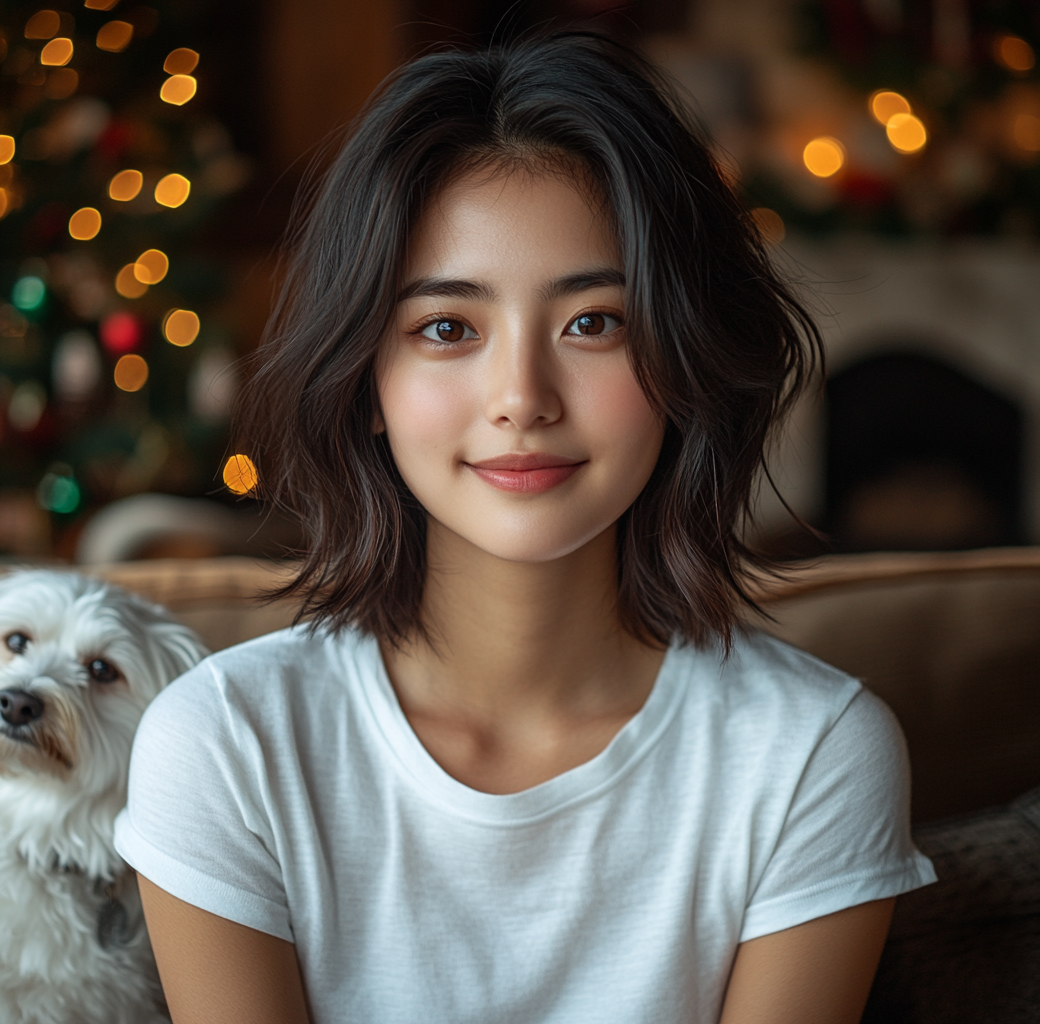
(178,648)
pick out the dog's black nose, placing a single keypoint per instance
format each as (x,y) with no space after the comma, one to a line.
(19,708)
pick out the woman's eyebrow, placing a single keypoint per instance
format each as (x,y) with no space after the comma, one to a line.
(583,280)
(447,287)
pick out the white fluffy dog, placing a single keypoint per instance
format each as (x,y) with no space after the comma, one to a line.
(79,662)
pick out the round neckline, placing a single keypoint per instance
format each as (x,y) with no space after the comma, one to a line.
(585,781)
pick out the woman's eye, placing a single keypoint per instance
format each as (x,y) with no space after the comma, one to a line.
(448,330)
(16,642)
(102,671)
(591,324)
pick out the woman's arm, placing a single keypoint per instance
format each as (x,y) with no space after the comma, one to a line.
(217,972)
(817,973)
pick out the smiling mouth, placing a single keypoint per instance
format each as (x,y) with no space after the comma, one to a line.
(526,472)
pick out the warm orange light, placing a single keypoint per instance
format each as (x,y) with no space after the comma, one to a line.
(178,89)
(6,148)
(43,25)
(125,185)
(127,284)
(61,83)
(885,104)
(240,474)
(100,5)
(131,373)
(906,133)
(181,61)
(1014,53)
(3,203)
(57,53)
(181,327)
(114,36)
(151,266)
(85,224)
(1027,132)
(770,225)
(172,190)
(824,156)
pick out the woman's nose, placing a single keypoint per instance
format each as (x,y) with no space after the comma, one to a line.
(522,391)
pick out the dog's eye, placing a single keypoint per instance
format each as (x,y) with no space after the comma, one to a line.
(16,642)
(102,672)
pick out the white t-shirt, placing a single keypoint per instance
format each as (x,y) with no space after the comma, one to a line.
(279,785)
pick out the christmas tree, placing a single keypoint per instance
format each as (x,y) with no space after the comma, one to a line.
(115,368)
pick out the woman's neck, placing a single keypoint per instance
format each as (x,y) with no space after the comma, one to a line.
(522,656)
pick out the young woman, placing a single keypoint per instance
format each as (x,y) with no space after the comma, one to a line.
(524,765)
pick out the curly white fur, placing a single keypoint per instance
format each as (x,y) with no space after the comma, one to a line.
(73,947)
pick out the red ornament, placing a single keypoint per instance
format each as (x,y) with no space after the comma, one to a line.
(121,332)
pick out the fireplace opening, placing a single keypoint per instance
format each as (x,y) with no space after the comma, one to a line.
(920,457)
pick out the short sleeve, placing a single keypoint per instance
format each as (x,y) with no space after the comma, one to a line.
(846,837)
(197,819)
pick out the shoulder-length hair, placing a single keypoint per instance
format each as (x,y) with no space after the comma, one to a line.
(716,339)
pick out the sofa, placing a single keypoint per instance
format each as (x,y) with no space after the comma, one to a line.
(952,642)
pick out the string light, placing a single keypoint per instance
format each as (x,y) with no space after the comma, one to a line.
(240,474)
(120,332)
(6,148)
(28,293)
(151,266)
(57,53)
(181,327)
(114,36)
(85,224)
(1013,53)
(178,89)
(131,373)
(181,61)
(770,225)
(172,190)
(61,83)
(885,104)
(125,185)
(43,25)
(906,133)
(824,156)
(127,284)
(1027,132)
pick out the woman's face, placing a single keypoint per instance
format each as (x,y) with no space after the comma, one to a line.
(504,383)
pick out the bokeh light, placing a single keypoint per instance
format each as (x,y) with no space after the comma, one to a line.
(58,492)
(43,25)
(114,36)
(57,52)
(127,284)
(824,156)
(172,190)
(100,5)
(885,104)
(240,474)
(120,332)
(3,203)
(85,224)
(61,83)
(131,373)
(28,293)
(906,133)
(126,185)
(1027,132)
(6,148)
(26,405)
(1014,53)
(181,327)
(770,225)
(178,89)
(181,61)
(151,266)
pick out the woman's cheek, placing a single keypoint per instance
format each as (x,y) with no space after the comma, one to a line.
(424,410)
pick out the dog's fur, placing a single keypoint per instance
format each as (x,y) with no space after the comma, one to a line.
(73,946)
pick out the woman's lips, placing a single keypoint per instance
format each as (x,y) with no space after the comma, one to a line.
(528,473)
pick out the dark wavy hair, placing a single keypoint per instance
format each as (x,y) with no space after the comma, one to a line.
(717,340)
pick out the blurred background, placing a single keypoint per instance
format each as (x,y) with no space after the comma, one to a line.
(149,154)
